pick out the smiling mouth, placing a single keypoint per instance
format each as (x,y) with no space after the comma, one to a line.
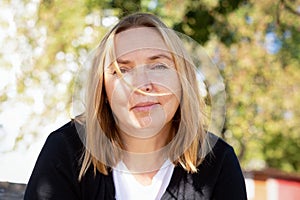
(146,106)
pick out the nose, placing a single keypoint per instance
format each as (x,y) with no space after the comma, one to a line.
(142,80)
(146,87)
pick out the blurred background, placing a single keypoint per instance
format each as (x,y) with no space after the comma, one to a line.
(255,44)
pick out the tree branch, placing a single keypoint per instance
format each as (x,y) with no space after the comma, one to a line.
(289,8)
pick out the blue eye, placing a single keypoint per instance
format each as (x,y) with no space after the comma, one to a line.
(159,67)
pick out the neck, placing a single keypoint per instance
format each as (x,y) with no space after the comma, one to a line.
(146,154)
(134,144)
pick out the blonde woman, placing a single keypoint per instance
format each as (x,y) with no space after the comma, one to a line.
(142,134)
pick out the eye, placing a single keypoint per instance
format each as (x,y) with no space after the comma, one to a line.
(123,70)
(159,66)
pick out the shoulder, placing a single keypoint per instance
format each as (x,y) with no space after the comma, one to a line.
(217,143)
(65,138)
(67,132)
(220,157)
(218,147)
(56,170)
(221,170)
(219,176)
(62,148)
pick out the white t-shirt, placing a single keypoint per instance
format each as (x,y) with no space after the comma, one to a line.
(128,188)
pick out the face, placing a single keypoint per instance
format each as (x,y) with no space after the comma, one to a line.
(142,85)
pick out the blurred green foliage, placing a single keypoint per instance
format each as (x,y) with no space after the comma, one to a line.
(256,45)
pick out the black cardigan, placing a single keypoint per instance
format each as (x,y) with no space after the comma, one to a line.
(55,175)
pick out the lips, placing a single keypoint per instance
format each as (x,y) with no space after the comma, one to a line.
(144,106)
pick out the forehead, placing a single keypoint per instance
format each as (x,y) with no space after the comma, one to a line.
(138,39)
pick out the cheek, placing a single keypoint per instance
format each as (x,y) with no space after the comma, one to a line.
(173,88)
(117,92)
(171,83)
(170,104)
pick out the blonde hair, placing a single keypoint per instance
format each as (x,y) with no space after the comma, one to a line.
(189,140)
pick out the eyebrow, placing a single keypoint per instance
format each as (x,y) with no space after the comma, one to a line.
(158,56)
(154,57)
(120,61)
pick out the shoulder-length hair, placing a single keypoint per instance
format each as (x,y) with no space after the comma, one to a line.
(102,140)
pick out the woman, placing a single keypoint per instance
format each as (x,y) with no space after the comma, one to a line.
(142,134)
